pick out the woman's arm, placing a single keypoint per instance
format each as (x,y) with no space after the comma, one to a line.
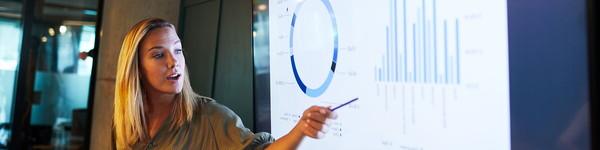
(311,124)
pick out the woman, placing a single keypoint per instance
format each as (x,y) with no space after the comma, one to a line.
(156,108)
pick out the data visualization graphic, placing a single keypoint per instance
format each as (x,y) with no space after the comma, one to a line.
(314,92)
(429,74)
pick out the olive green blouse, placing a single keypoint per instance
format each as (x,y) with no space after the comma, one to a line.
(213,127)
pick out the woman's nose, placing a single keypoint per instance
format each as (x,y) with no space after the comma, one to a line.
(172,60)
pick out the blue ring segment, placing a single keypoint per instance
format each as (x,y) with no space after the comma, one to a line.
(315,92)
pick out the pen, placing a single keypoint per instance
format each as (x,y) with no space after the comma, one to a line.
(344,104)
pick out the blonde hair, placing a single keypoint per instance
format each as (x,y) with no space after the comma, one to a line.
(129,119)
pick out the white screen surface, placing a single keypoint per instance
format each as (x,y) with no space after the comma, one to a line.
(429,74)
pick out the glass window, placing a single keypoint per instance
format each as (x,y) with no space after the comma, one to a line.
(10,42)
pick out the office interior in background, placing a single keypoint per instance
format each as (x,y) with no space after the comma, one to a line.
(503,74)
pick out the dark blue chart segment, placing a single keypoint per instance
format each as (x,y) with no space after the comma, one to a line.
(319,90)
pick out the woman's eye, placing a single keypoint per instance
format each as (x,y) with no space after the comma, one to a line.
(158,55)
(178,51)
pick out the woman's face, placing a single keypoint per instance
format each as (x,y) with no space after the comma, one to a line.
(162,61)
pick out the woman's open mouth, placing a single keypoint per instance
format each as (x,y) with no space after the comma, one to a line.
(174,76)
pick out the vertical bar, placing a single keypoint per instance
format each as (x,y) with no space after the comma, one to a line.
(446,50)
(390,45)
(424,27)
(425,53)
(457,54)
(418,45)
(405,47)
(395,41)
(435,69)
(387,54)
(414,53)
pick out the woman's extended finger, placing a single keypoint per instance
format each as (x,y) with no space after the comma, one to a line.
(323,110)
(313,108)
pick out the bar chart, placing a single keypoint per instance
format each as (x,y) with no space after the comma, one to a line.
(420,49)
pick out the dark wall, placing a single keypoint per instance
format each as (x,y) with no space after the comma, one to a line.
(217,38)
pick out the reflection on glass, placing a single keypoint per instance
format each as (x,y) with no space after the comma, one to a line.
(63,30)
(63,92)
(10,42)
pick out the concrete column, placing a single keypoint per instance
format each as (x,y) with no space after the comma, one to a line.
(117,18)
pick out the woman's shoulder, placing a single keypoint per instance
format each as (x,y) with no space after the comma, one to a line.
(209,107)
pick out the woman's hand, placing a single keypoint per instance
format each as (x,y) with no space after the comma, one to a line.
(312,122)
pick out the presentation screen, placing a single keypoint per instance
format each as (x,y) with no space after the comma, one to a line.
(427,74)
(426,67)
